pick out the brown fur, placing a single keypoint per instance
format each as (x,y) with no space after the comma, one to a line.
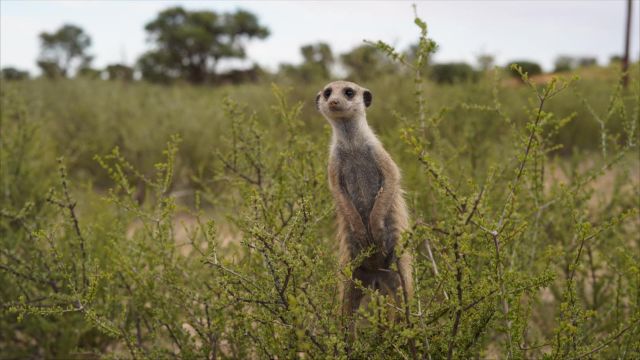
(371,211)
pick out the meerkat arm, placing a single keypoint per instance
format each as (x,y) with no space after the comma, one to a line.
(348,210)
(386,195)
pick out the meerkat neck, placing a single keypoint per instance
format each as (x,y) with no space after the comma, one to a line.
(352,132)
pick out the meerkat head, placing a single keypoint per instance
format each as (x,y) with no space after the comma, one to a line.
(343,100)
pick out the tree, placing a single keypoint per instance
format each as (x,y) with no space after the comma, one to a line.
(366,62)
(156,67)
(320,57)
(120,72)
(88,72)
(615,59)
(528,67)
(50,69)
(317,61)
(485,62)
(235,76)
(189,44)
(63,50)
(11,73)
(451,73)
(587,61)
(564,63)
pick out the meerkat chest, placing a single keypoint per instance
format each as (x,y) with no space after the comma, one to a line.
(360,177)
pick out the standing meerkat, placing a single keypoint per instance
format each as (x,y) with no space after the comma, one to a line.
(365,183)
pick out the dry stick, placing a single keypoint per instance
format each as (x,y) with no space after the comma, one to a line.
(435,267)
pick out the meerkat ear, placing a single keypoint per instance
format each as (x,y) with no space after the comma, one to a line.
(318,101)
(366,95)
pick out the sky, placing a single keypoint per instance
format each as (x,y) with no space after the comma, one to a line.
(509,30)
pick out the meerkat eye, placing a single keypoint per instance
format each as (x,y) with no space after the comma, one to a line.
(327,93)
(349,92)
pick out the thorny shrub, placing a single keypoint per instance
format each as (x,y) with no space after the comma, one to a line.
(517,254)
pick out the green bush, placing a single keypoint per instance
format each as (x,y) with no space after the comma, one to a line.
(451,73)
(119,72)
(528,67)
(564,64)
(587,61)
(11,73)
(519,253)
(364,63)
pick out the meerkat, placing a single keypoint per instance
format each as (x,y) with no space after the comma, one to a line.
(371,211)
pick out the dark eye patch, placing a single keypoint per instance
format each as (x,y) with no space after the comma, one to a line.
(327,93)
(349,93)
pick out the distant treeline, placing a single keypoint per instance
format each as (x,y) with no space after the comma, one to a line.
(188,46)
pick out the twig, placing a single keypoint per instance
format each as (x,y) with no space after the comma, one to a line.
(456,322)
(434,265)
(70,205)
(606,343)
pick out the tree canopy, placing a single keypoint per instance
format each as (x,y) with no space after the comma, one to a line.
(317,61)
(366,62)
(119,72)
(62,50)
(11,73)
(189,44)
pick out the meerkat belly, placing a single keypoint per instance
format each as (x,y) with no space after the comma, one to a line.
(361,179)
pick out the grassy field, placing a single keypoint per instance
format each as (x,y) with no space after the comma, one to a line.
(143,221)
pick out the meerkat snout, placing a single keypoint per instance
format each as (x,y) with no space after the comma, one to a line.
(343,99)
(335,105)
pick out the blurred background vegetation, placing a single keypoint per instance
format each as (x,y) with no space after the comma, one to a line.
(187,47)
